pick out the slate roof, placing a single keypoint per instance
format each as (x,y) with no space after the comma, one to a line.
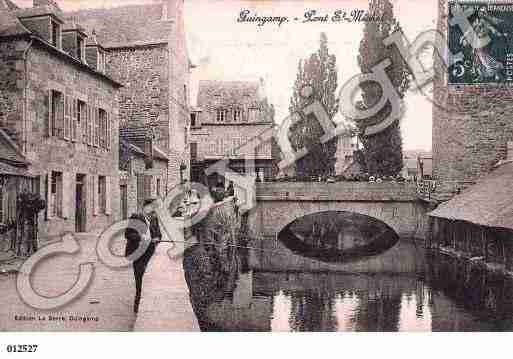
(12,162)
(125,26)
(487,203)
(227,93)
(133,138)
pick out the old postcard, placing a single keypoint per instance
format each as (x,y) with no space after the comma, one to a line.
(255,166)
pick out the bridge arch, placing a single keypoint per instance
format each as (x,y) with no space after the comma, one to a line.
(395,204)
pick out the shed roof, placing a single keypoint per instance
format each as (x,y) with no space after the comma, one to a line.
(488,203)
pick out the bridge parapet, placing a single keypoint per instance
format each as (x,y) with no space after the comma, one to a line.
(337,192)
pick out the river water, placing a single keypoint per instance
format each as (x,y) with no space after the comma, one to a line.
(440,294)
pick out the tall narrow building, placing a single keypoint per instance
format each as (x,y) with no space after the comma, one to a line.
(145,50)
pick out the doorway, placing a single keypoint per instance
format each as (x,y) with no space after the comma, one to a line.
(80,204)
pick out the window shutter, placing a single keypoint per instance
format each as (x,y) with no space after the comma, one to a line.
(90,120)
(74,127)
(109,131)
(66,196)
(96,127)
(66,117)
(50,123)
(84,115)
(108,196)
(95,195)
(49,202)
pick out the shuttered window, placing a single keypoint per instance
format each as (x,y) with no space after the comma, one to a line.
(2,205)
(96,128)
(67,117)
(56,113)
(102,123)
(74,120)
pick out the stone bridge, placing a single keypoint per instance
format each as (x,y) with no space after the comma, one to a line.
(396,204)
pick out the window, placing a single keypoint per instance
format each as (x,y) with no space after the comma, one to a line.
(102,193)
(102,123)
(185,95)
(96,128)
(158,187)
(193,119)
(56,114)
(222,115)
(56,34)
(80,116)
(56,195)
(237,115)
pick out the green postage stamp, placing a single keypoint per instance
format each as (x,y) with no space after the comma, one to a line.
(488,58)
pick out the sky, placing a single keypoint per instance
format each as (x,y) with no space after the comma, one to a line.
(224,49)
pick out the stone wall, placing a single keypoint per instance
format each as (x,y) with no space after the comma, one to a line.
(11,85)
(279,204)
(471,124)
(47,71)
(144,98)
(215,141)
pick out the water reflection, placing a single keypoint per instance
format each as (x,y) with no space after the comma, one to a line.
(336,236)
(447,295)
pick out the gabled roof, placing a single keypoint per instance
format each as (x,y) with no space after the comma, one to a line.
(9,23)
(9,150)
(487,203)
(228,93)
(126,26)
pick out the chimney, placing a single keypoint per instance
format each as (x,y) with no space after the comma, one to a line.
(510,151)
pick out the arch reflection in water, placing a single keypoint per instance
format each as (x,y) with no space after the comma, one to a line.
(335,236)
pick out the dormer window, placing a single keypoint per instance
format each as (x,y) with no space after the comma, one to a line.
(237,115)
(222,115)
(55,33)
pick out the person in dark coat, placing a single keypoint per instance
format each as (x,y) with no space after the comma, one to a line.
(133,241)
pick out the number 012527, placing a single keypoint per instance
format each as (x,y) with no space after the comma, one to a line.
(21,348)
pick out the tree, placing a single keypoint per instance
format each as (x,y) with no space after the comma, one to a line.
(382,151)
(320,72)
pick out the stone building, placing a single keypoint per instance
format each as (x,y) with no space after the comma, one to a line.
(62,114)
(471,123)
(143,47)
(232,113)
(143,169)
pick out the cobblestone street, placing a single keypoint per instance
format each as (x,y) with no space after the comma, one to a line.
(165,304)
(109,297)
